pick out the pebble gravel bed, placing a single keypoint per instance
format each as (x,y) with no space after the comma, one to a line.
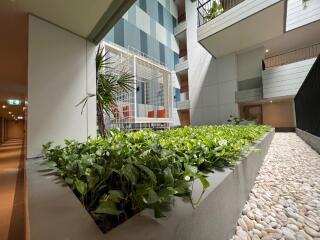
(285,200)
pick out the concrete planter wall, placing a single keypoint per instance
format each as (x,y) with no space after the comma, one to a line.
(309,138)
(56,213)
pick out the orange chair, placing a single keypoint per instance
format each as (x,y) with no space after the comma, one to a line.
(150,114)
(161,113)
(115,112)
(126,112)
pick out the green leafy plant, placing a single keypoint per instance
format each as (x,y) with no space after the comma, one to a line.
(305,2)
(119,175)
(235,120)
(214,11)
(109,84)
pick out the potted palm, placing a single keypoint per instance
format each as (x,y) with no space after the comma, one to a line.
(214,11)
(109,83)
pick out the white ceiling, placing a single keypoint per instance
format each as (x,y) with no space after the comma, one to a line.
(294,39)
(77,16)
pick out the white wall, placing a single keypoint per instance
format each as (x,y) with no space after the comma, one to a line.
(61,71)
(298,15)
(212,82)
(285,80)
(175,114)
(249,64)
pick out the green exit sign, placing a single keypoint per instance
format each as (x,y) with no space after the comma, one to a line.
(14,102)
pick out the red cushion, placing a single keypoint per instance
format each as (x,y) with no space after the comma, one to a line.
(115,112)
(161,113)
(126,111)
(150,114)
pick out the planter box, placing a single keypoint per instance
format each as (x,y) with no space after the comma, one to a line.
(56,213)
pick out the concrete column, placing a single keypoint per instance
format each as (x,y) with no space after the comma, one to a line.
(57,85)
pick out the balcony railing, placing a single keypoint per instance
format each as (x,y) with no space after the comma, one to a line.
(293,56)
(210,9)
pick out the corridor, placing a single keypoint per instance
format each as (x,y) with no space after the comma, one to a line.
(12,205)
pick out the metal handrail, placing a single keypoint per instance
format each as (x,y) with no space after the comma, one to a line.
(204,8)
(293,56)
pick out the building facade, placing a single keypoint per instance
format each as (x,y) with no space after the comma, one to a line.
(148,27)
(248,59)
(257,54)
(147,32)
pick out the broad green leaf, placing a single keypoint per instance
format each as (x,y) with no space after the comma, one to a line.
(152,197)
(168,177)
(52,164)
(130,172)
(204,181)
(99,168)
(69,180)
(182,187)
(99,152)
(107,207)
(190,170)
(166,194)
(92,181)
(149,172)
(81,186)
(115,195)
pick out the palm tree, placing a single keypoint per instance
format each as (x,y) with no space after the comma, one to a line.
(109,84)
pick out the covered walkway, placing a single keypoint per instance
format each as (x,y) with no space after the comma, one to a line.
(12,205)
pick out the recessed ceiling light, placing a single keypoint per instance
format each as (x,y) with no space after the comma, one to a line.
(4,106)
(20,117)
(267,50)
(10,112)
(270,101)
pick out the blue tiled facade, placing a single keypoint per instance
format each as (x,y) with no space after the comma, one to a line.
(148,27)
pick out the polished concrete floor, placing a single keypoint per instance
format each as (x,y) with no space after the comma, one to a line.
(12,190)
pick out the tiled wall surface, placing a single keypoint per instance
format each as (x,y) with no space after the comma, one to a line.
(148,27)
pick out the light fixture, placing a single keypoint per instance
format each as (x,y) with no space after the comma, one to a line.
(14,102)
(270,101)
(4,106)
(267,50)
(10,112)
(20,117)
